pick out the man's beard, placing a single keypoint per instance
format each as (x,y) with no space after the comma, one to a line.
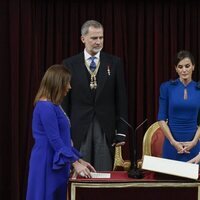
(96,50)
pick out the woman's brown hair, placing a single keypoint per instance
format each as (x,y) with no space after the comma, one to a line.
(53,84)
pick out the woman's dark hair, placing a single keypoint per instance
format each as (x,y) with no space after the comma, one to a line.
(53,84)
(184,54)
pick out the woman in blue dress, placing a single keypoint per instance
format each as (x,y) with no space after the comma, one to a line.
(52,153)
(179,105)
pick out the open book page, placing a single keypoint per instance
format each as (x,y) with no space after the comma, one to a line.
(171,167)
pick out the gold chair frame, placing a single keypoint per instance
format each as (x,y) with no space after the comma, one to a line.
(119,162)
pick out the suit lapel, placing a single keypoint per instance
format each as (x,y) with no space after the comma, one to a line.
(102,75)
(82,74)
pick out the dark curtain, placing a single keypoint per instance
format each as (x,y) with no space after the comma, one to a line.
(36,34)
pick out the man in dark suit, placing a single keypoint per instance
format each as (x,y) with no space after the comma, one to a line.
(97,99)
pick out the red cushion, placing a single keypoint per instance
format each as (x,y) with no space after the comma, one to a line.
(157,143)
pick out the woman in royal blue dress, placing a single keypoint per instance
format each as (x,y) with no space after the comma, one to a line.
(179,105)
(52,154)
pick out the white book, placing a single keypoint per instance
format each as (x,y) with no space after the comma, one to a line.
(100,175)
(171,167)
(94,175)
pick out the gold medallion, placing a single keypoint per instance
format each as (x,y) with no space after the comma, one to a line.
(93,80)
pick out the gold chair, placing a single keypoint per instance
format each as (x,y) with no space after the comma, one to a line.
(152,142)
(119,163)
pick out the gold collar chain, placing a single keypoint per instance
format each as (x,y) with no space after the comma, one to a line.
(93,80)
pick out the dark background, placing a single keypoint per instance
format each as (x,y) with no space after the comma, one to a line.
(34,34)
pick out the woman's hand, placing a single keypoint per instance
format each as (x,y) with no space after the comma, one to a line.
(188,145)
(179,147)
(195,160)
(83,168)
(87,164)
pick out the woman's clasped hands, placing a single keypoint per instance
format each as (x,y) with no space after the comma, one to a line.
(184,147)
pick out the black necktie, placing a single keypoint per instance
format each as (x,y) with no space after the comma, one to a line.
(92,64)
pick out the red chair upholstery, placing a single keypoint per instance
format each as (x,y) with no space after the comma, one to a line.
(157,143)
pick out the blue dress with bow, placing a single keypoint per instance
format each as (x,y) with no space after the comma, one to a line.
(181,114)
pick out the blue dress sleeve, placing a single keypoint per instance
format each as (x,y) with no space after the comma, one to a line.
(63,153)
(77,153)
(163,102)
(64,156)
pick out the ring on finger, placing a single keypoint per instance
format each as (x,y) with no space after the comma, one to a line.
(82,174)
